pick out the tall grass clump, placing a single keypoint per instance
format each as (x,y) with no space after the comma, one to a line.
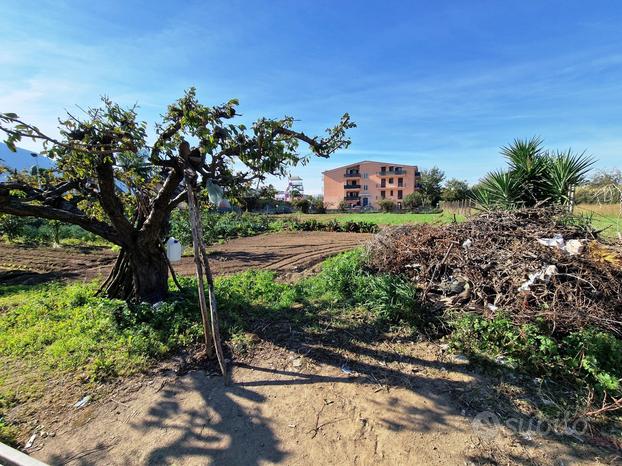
(345,281)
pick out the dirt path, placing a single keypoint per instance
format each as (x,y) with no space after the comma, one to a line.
(287,253)
(284,408)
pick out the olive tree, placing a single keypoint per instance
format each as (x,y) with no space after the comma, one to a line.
(111,181)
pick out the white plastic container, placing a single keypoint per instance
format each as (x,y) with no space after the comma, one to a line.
(173,250)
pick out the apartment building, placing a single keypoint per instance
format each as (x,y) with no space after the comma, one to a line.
(365,183)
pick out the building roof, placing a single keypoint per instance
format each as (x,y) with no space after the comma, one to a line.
(370,161)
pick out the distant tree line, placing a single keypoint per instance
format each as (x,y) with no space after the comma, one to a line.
(433,188)
(603,187)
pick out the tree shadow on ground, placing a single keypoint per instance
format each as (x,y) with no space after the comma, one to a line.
(242,257)
(218,430)
(30,277)
(221,430)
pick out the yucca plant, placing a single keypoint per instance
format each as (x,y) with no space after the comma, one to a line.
(528,164)
(566,170)
(535,177)
(500,190)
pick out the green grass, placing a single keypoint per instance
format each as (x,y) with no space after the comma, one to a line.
(606,217)
(609,224)
(58,328)
(588,358)
(62,332)
(381,218)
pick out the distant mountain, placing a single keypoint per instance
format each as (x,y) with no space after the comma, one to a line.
(21,159)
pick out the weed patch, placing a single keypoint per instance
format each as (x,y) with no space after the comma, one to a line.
(589,357)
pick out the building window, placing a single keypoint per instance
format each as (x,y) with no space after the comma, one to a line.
(400,194)
(391,193)
(400,182)
(383,183)
(365,175)
(383,169)
(364,187)
(390,180)
(390,169)
(382,194)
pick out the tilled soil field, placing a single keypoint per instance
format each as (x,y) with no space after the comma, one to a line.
(28,265)
(287,253)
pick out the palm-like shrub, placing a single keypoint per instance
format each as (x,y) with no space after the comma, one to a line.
(535,177)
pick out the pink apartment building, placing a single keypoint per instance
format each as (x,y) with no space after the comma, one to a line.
(365,183)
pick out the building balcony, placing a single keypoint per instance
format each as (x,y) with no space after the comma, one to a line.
(351,186)
(392,172)
(351,198)
(352,175)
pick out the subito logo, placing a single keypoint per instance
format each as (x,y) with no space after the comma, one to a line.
(486,425)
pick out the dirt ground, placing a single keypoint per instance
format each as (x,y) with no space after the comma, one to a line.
(348,393)
(287,253)
(387,404)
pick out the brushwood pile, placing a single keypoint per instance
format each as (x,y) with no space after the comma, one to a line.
(533,265)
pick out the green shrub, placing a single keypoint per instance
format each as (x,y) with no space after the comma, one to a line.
(386,205)
(318,206)
(414,200)
(220,226)
(11,226)
(41,231)
(301,204)
(332,225)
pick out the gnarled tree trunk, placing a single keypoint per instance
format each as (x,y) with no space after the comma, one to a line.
(140,274)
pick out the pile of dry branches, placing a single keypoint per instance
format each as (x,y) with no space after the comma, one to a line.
(495,263)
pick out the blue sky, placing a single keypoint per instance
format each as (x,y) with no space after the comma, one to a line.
(428,83)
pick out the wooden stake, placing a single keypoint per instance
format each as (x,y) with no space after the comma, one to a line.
(195,225)
(211,326)
(214,314)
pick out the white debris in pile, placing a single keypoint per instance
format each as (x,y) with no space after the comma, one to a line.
(573,247)
(543,275)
